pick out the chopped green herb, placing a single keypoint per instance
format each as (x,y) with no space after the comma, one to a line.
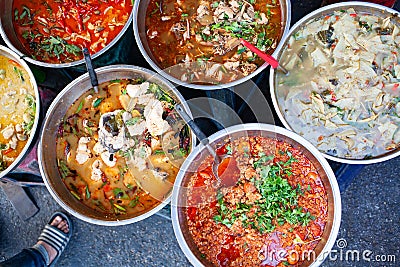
(19,73)
(87,192)
(119,193)
(215,4)
(278,203)
(65,171)
(229,150)
(159,152)
(75,195)
(160,94)
(134,202)
(80,106)
(119,207)
(4,146)
(241,50)
(132,121)
(97,102)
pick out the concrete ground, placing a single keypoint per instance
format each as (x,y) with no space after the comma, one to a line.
(370,222)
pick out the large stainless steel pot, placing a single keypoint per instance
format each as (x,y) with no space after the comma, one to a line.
(178,202)
(370,8)
(47,147)
(10,38)
(139,28)
(6,52)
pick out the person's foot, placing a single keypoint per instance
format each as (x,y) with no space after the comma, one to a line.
(63,226)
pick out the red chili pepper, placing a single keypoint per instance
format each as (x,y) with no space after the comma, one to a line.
(333,95)
(395,86)
(353,15)
(68,30)
(12,62)
(62,23)
(106,188)
(5,152)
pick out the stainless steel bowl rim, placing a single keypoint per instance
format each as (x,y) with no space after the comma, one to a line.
(69,64)
(29,143)
(266,128)
(198,86)
(56,102)
(294,28)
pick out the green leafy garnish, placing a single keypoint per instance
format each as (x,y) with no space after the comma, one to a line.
(134,202)
(279,202)
(97,102)
(75,195)
(64,170)
(132,121)
(160,94)
(119,207)
(159,152)
(4,146)
(119,193)
(87,192)
(80,106)
(19,73)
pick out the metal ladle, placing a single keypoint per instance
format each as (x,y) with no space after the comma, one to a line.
(203,140)
(89,67)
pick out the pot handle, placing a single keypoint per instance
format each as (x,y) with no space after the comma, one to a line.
(195,129)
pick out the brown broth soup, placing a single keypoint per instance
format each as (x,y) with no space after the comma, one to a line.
(17,110)
(56,31)
(203,37)
(119,151)
(271,209)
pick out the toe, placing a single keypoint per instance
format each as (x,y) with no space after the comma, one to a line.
(56,221)
(65,229)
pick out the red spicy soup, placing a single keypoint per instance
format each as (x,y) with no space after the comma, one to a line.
(277,203)
(55,31)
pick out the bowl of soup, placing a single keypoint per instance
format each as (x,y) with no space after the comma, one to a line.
(111,157)
(276,201)
(342,92)
(53,34)
(19,110)
(197,43)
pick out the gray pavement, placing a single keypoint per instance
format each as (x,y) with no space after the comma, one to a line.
(370,221)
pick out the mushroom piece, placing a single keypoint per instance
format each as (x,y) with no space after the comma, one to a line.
(8,131)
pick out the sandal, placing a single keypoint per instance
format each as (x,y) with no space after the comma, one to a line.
(55,238)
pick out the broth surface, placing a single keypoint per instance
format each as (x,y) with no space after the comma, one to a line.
(118,151)
(56,31)
(17,110)
(270,208)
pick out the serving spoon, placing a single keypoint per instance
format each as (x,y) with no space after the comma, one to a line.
(267,58)
(218,159)
(89,67)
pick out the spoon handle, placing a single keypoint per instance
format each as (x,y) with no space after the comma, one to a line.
(267,58)
(92,73)
(195,129)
